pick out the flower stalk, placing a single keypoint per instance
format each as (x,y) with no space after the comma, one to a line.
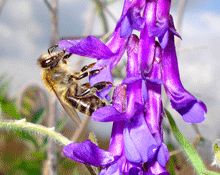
(30,127)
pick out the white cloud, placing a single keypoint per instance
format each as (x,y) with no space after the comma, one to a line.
(202,24)
(5,31)
(212,21)
(198,74)
(20,10)
(34,29)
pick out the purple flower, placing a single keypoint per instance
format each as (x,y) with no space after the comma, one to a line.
(147,43)
(131,17)
(164,23)
(154,115)
(192,110)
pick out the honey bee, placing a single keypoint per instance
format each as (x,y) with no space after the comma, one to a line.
(58,78)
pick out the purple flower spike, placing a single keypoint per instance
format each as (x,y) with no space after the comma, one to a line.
(192,111)
(136,145)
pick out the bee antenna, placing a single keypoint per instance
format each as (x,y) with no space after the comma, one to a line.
(50,49)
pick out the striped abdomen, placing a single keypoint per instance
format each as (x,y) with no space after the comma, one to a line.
(86,105)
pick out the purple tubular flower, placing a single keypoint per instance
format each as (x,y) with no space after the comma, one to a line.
(164,23)
(132,18)
(147,43)
(161,30)
(192,111)
(134,89)
(154,116)
(121,165)
(154,107)
(140,146)
(90,154)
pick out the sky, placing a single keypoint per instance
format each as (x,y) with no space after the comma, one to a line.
(25,35)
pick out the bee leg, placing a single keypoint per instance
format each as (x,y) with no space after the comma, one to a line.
(96,87)
(84,94)
(50,49)
(85,68)
(82,74)
(101,85)
(66,57)
(87,85)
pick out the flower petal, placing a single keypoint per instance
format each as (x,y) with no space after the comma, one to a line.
(90,47)
(117,142)
(126,28)
(103,75)
(132,20)
(114,169)
(88,153)
(107,114)
(163,155)
(157,169)
(194,113)
(140,145)
(131,17)
(131,80)
(119,98)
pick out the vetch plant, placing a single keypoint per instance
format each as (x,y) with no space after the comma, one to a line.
(136,145)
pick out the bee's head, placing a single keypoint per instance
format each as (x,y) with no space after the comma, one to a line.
(50,60)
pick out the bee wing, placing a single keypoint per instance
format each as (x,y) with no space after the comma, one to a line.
(69,110)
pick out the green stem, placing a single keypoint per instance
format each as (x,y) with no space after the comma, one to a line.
(23,125)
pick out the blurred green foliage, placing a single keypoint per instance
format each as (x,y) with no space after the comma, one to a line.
(21,151)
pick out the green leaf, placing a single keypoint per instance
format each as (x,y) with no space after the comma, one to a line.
(187,147)
(9,108)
